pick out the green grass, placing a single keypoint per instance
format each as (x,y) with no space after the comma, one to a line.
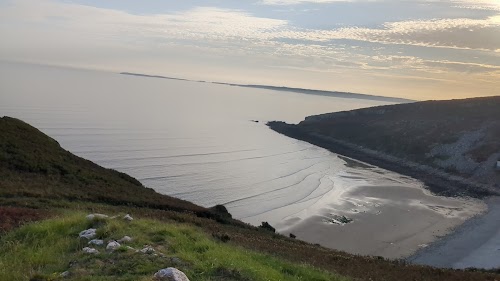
(45,249)
(44,246)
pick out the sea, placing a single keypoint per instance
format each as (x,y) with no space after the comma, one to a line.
(203,142)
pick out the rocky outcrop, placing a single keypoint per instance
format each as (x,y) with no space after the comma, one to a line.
(96,242)
(125,239)
(170,274)
(113,246)
(147,250)
(88,234)
(88,250)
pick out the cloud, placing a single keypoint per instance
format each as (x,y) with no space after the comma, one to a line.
(197,23)
(428,65)
(464,67)
(53,24)
(491,5)
(461,33)
(295,2)
(52,31)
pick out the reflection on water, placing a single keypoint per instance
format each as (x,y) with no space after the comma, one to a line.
(191,140)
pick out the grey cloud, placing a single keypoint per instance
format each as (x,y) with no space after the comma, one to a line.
(445,33)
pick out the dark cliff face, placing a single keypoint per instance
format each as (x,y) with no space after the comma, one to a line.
(413,130)
(459,137)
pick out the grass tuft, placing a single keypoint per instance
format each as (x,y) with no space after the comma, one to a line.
(42,250)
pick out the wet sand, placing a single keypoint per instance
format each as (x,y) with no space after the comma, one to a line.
(392,221)
(394,217)
(474,244)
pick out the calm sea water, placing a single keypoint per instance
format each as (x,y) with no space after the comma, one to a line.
(190,140)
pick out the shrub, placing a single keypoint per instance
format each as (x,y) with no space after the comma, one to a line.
(265,225)
(221,236)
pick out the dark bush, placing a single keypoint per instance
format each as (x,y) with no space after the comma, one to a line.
(221,210)
(221,236)
(265,225)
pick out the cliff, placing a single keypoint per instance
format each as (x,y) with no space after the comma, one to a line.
(453,145)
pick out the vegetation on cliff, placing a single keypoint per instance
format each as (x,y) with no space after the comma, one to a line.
(440,142)
(50,248)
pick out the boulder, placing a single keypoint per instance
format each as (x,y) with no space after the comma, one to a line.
(127,217)
(88,250)
(125,239)
(112,246)
(65,274)
(88,234)
(97,242)
(170,274)
(98,216)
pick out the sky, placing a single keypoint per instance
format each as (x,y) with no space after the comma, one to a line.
(418,49)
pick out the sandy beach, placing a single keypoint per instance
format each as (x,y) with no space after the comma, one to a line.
(396,215)
(476,243)
(393,219)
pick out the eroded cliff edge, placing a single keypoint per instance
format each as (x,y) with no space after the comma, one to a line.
(452,146)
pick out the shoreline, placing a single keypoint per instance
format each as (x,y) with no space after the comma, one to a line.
(388,219)
(474,244)
(438,182)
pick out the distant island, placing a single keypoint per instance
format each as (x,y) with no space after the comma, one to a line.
(452,146)
(287,89)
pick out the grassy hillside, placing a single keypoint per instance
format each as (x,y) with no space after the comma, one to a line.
(460,138)
(32,165)
(45,192)
(55,242)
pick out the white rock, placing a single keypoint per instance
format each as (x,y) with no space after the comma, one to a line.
(147,250)
(98,216)
(88,250)
(112,246)
(170,274)
(125,239)
(97,242)
(89,233)
(64,274)
(127,217)
(129,248)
